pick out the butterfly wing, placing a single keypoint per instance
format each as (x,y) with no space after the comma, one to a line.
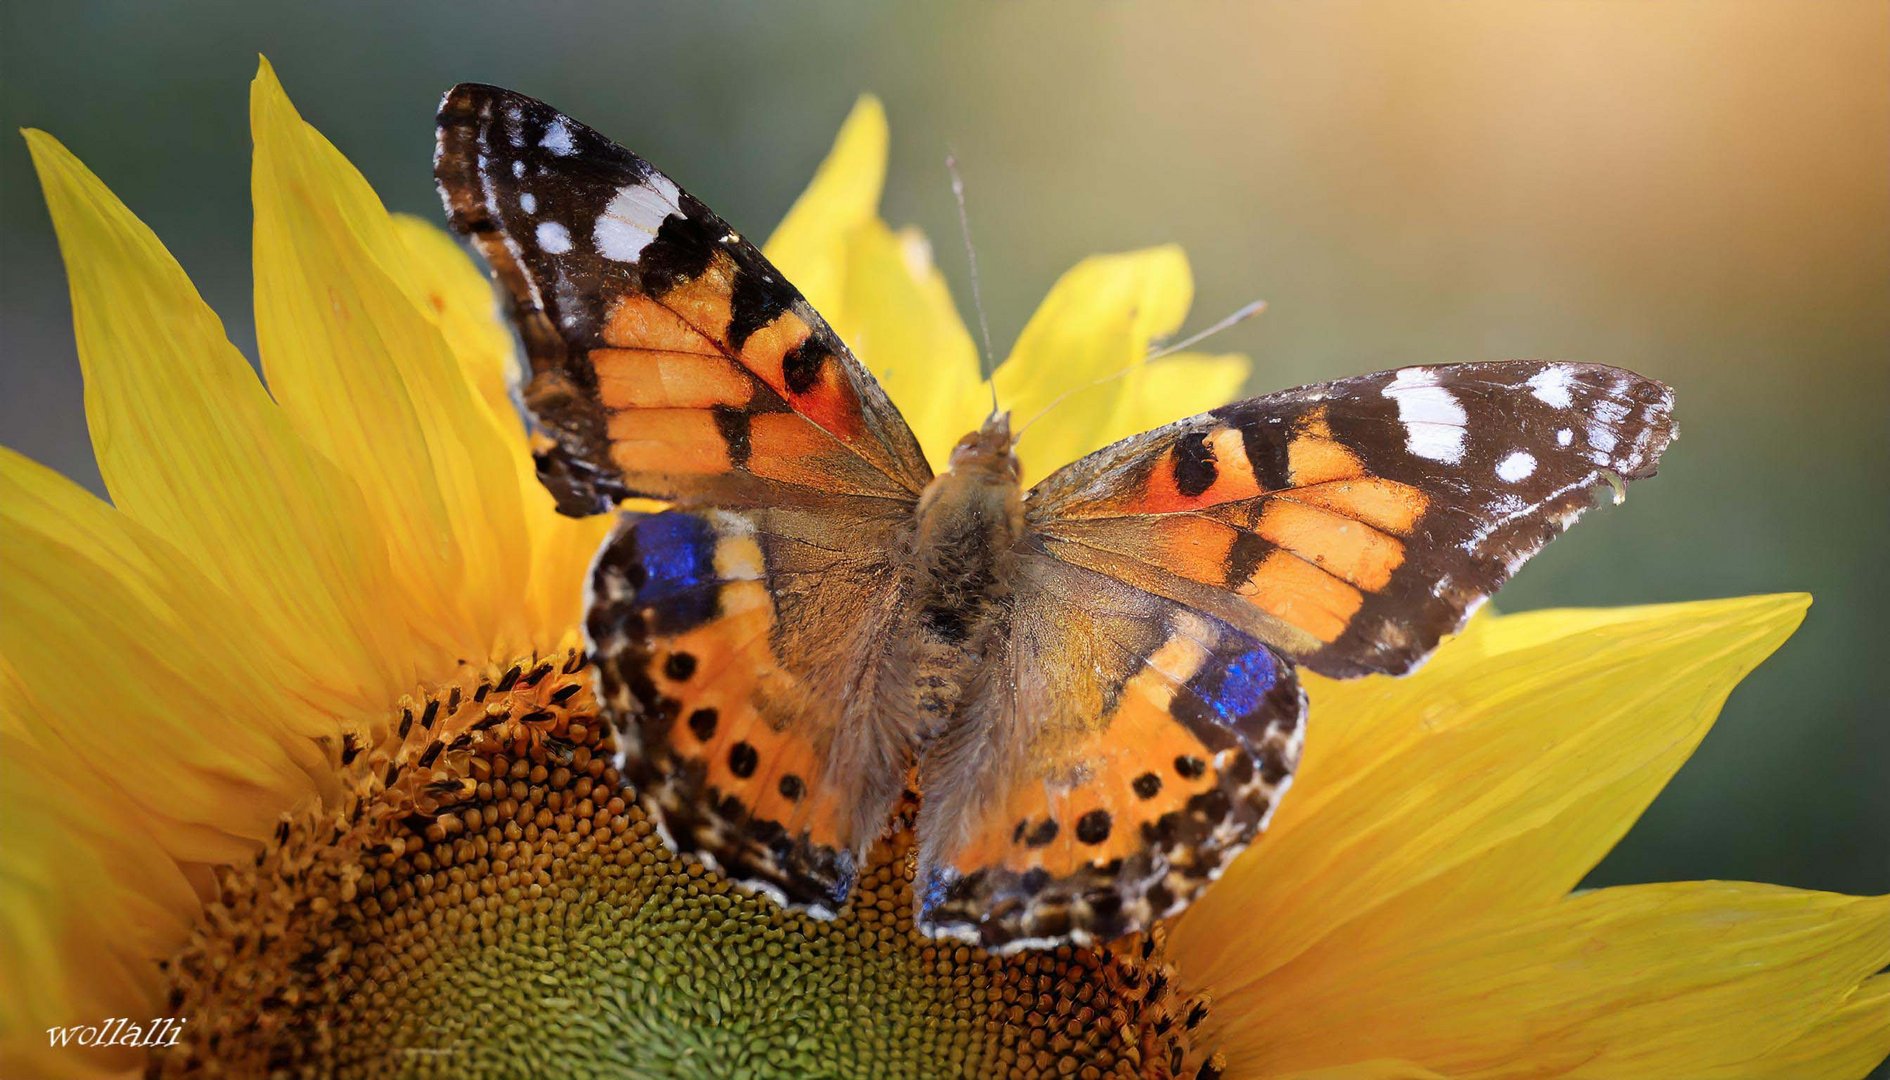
(743,658)
(1352,524)
(1143,720)
(668,358)
(1118,750)
(740,639)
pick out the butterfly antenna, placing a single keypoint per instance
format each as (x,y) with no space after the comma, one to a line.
(1067,394)
(1239,316)
(977,294)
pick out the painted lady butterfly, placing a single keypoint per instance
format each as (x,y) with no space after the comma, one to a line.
(1090,682)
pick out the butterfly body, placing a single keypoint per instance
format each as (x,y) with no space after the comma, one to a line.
(1091,683)
(968,524)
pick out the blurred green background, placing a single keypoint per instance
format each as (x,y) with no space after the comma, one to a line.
(1696,190)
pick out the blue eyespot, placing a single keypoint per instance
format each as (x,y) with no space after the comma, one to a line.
(845,873)
(938,885)
(676,553)
(1239,688)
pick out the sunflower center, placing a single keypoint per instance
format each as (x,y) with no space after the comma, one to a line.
(480,898)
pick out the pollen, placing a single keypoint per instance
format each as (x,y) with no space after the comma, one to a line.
(482,897)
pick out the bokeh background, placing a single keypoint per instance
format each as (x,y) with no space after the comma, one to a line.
(1696,189)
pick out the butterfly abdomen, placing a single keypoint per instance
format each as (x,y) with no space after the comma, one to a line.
(969,521)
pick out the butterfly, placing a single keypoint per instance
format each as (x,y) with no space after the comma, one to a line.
(1090,684)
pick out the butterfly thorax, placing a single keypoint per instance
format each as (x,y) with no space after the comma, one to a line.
(968,523)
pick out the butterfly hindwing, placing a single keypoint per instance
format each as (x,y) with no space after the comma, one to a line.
(728,680)
(1119,751)
(1353,524)
(669,359)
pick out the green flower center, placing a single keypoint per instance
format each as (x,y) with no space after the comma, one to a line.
(480,898)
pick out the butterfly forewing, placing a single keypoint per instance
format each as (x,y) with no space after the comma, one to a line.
(1353,524)
(668,357)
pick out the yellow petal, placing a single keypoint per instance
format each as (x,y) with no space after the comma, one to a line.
(176,713)
(90,900)
(191,447)
(1174,388)
(809,247)
(1496,777)
(466,307)
(1849,1042)
(1083,350)
(364,372)
(898,317)
(1647,981)
(879,289)
(1380,1069)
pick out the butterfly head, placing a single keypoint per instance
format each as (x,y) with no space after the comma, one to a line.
(988,450)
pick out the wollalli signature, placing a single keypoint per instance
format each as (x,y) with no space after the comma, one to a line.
(120,1031)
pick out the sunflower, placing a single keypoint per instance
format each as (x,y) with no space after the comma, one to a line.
(301,751)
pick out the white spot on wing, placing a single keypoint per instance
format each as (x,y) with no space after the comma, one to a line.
(1550,385)
(1433,418)
(554,238)
(1517,466)
(1601,437)
(518,167)
(1608,416)
(557,138)
(528,202)
(634,215)
(1564,437)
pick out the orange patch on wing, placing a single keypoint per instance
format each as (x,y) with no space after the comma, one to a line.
(780,438)
(640,322)
(764,350)
(642,379)
(831,402)
(667,441)
(694,318)
(733,662)
(1140,738)
(1383,504)
(788,447)
(1194,547)
(1315,424)
(787,787)
(838,409)
(1302,595)
(1311,459)
(1337,544)
(703,301)
(1233,478)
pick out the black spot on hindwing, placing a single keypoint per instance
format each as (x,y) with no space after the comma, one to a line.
(742,760)
(1093,827)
